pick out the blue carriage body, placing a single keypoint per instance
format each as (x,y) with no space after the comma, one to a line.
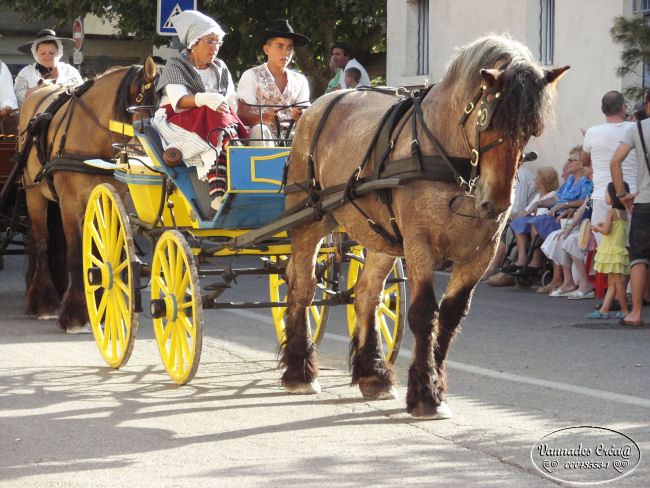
(254,194)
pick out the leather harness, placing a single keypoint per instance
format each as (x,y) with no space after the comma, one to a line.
(435,167)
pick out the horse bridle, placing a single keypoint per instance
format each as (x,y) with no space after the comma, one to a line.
(143,88)
(483,121)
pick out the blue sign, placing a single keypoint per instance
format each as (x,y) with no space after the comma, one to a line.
(167,9)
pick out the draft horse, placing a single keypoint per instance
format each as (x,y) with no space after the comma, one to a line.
(77,130)
(455,150)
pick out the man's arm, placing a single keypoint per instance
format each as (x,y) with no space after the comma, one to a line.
(616,169)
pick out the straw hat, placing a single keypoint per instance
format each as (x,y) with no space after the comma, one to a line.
(281,28)
(46,35)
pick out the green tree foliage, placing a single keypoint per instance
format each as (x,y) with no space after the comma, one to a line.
(634,36)
(360,23)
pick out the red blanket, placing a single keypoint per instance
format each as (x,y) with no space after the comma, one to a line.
(201,120)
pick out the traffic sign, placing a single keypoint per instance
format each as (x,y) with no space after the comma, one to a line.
(78,34)
(167,9)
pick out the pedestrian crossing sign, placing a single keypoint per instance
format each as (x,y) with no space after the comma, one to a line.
(167,9)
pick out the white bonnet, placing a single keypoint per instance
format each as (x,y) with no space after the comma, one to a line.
(192,25)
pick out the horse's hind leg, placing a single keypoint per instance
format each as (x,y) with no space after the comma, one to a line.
(73,316)
(298,355)
(41,296)
(373,374)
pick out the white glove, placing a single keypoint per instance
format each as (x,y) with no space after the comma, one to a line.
(210,100)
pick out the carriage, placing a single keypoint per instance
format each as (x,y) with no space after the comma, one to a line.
(189,241)
(395,174)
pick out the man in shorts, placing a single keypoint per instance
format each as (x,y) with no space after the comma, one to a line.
(639,204)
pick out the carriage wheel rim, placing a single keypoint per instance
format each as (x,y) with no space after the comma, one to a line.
(107,244)
(390,315)
(174,279)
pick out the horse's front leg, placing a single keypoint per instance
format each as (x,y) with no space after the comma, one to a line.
(41,295)
(425,394)
(73,317)
(298,355)
(374,375)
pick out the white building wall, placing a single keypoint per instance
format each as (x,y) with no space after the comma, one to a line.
(582,40)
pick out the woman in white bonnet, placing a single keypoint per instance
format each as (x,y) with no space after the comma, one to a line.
(47,50)
(197,93)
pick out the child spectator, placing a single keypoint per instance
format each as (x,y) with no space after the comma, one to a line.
(352,77)
(611,256)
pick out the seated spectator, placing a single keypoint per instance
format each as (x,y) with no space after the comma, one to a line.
(196,88)
(569,197)
(523,194)
(561,246)
(273,83)
(352,77)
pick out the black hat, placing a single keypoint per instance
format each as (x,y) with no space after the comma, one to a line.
(281,28)
(45,35)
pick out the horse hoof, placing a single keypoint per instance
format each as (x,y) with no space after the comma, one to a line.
(48,316)
(302,388)
(79,329)
(431,412)
(373,389)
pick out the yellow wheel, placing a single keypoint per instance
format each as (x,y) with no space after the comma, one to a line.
(391,313)
(176,306)
(318,314)
(108,259)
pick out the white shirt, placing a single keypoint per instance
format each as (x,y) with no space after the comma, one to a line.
(537,198)
(524,190)
(353,63)
(601,142)
(257,87)
(7,95)
(29,76)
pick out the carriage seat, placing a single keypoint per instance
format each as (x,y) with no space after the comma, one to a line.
(185,177)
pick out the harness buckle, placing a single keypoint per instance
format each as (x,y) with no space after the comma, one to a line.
(469,108)
(475,157)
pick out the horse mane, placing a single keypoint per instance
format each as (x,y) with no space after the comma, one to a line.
(123,97)
(525,102)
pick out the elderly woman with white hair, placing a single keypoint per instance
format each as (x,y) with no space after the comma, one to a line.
(196,96)
(47,50)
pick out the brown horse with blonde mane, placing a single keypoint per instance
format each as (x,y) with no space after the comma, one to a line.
(492,99)
(78,130)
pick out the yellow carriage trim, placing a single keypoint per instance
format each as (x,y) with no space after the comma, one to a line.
(254,160)
(121,128)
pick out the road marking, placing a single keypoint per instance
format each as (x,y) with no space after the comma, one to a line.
(490,373)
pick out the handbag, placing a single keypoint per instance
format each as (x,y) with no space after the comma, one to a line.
(585,233)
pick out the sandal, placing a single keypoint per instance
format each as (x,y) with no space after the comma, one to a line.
(597,315)
(547,288)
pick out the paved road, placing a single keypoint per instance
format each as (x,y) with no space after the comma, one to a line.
(524,366)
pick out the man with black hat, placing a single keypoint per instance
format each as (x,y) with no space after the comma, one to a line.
(272,83)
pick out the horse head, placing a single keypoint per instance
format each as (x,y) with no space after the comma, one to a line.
(512,108)
(501,95)
(138,89)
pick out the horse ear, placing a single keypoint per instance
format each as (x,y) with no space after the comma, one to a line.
(491,76)
(552,75)
(149,69)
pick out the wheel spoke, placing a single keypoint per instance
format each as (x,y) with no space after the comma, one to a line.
(119,246)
